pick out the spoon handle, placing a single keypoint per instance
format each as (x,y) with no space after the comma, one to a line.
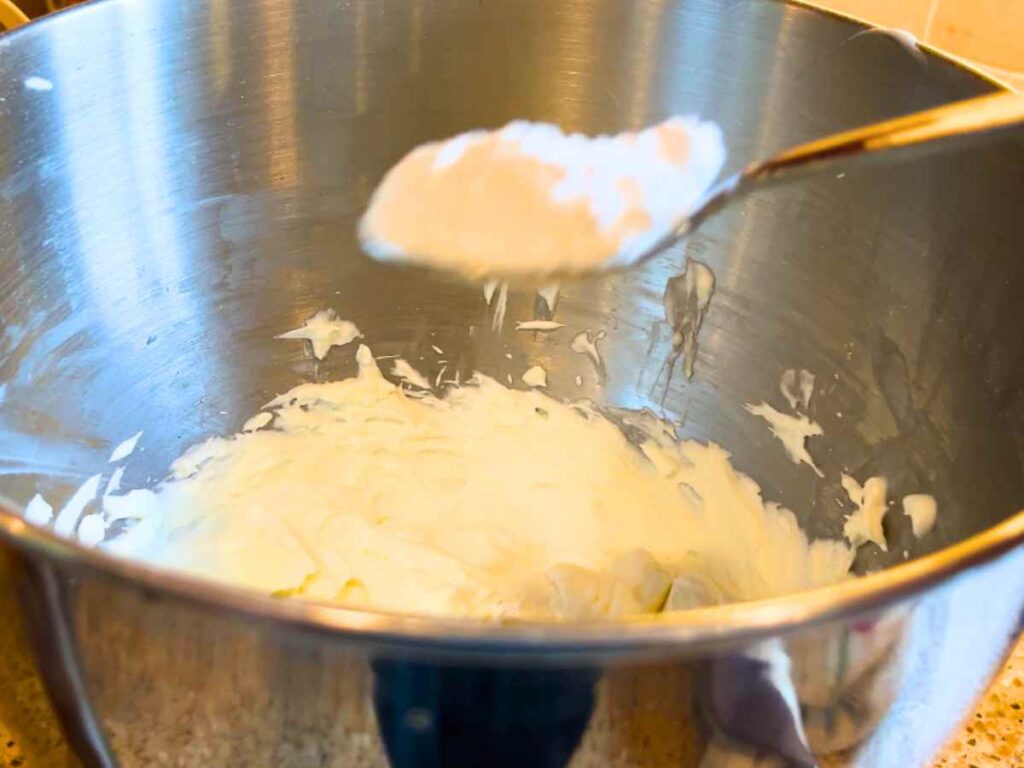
(924,131)
(929,130)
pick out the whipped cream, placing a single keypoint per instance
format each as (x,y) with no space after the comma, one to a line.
(535,376)
(323,331)
(530,199)
(38,511)
(258,421)
(922,510)
(67,519)
(488,502)
(791,431)
(538,325)
(401,369)
(124,449)
(865,523)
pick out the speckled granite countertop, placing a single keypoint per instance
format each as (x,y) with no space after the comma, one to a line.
(993,735)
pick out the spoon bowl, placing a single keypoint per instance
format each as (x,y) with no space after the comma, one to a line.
(530,202)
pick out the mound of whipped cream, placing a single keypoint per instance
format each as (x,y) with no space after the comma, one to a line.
(530,199)
(488,501)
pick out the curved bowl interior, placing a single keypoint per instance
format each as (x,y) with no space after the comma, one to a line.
(179,183)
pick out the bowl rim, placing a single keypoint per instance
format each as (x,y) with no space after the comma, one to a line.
(924,46)
(689,630)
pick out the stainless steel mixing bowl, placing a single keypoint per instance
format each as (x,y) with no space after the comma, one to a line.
(179,183)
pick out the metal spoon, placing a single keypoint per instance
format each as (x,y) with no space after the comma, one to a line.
(923,132)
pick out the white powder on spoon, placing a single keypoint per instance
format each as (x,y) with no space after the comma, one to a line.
(529,199)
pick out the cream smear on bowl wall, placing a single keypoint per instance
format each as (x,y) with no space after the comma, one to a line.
(375,492)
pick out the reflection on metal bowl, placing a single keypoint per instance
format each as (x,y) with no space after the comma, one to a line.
(180,181)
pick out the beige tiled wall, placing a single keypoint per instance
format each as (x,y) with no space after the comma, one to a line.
(905,14)
(989,32)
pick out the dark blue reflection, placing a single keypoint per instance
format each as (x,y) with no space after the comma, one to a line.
(434,716)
